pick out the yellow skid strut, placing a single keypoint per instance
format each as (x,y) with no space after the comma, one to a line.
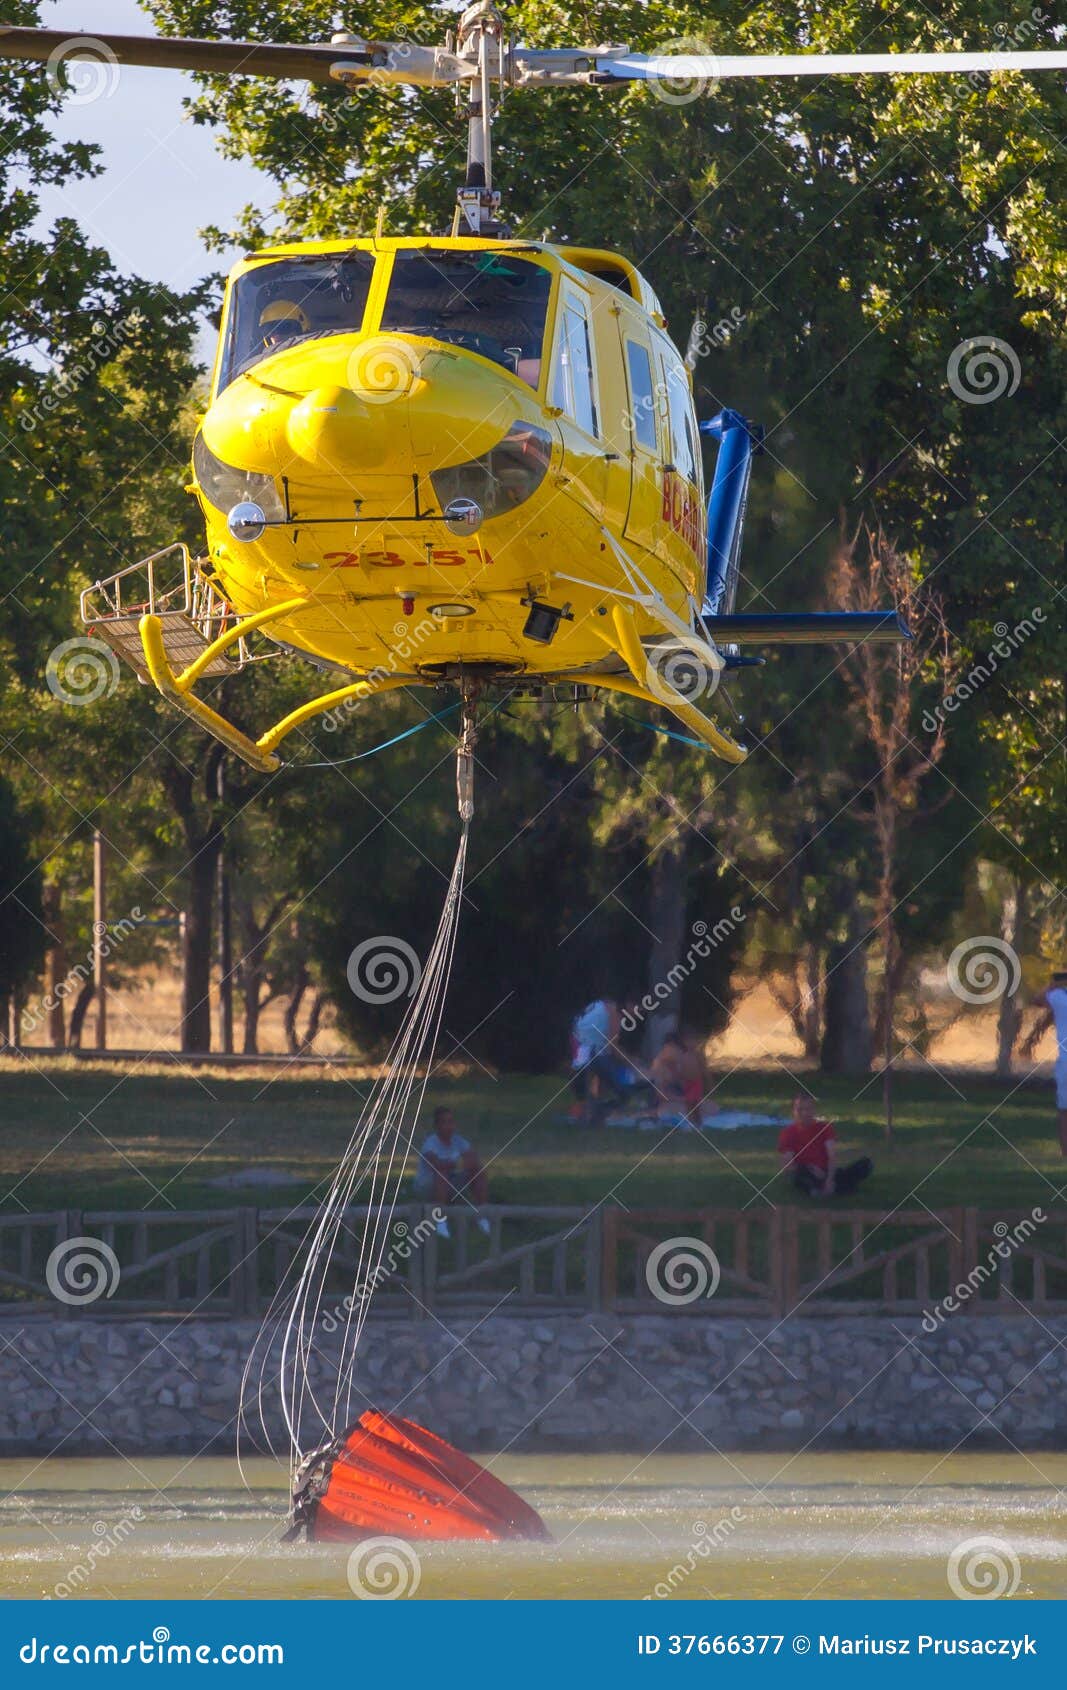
(177,689)
(628,644)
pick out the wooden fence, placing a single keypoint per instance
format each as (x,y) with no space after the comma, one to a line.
(759,1262)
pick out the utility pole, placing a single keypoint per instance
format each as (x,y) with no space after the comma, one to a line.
(100,936)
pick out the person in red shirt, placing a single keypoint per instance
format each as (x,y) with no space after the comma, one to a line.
(808,1148)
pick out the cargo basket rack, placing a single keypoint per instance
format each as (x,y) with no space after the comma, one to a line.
(193,613)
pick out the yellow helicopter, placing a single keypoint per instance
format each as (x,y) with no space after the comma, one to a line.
(461,458)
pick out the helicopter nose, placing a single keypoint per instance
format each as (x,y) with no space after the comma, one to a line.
(363,416)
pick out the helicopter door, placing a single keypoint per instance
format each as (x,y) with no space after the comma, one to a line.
(575,397)
(648,445)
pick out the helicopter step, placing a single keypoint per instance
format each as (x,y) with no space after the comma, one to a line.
(191,610)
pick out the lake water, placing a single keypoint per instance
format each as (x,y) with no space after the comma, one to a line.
(853,1525)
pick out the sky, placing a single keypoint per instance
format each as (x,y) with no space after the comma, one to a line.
(163,179)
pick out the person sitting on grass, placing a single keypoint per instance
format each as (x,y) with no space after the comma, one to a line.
(449,1170)
(680,1078)
(808,1148)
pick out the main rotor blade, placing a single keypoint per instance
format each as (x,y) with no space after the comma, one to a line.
(344,59)
(639,67)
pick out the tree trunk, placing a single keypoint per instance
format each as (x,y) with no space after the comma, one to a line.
(292,1010)
(311,1031)
(846,1044)
(251,1002)
(811,1012)
(222,877)
(667,920)
(1009,1013)
(55,963)
(196,948)
(79,1012)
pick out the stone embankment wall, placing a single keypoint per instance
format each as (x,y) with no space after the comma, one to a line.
(90,1385)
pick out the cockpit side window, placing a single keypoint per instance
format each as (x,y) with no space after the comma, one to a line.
(573,384)
(281,302)
(488,302)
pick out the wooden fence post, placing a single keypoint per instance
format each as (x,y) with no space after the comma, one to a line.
(245,1278)
(968,1254)
(787,1250)
(594,1260)
(609,1258)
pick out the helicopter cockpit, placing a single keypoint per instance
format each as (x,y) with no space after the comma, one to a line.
(486,302)
(285,300)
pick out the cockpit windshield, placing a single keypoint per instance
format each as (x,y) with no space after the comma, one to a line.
(488,302)
(278,303)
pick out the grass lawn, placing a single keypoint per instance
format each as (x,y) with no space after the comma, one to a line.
(78,1137)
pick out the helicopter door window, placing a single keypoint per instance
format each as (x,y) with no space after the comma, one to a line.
(683,434)
(573,390)
(642,395)
(487,302)
(278,304)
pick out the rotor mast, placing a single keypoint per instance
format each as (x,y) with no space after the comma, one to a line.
(481,40)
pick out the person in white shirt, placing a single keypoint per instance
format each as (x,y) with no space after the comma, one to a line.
(1055,1000)
(449,1170)
(595,1062)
